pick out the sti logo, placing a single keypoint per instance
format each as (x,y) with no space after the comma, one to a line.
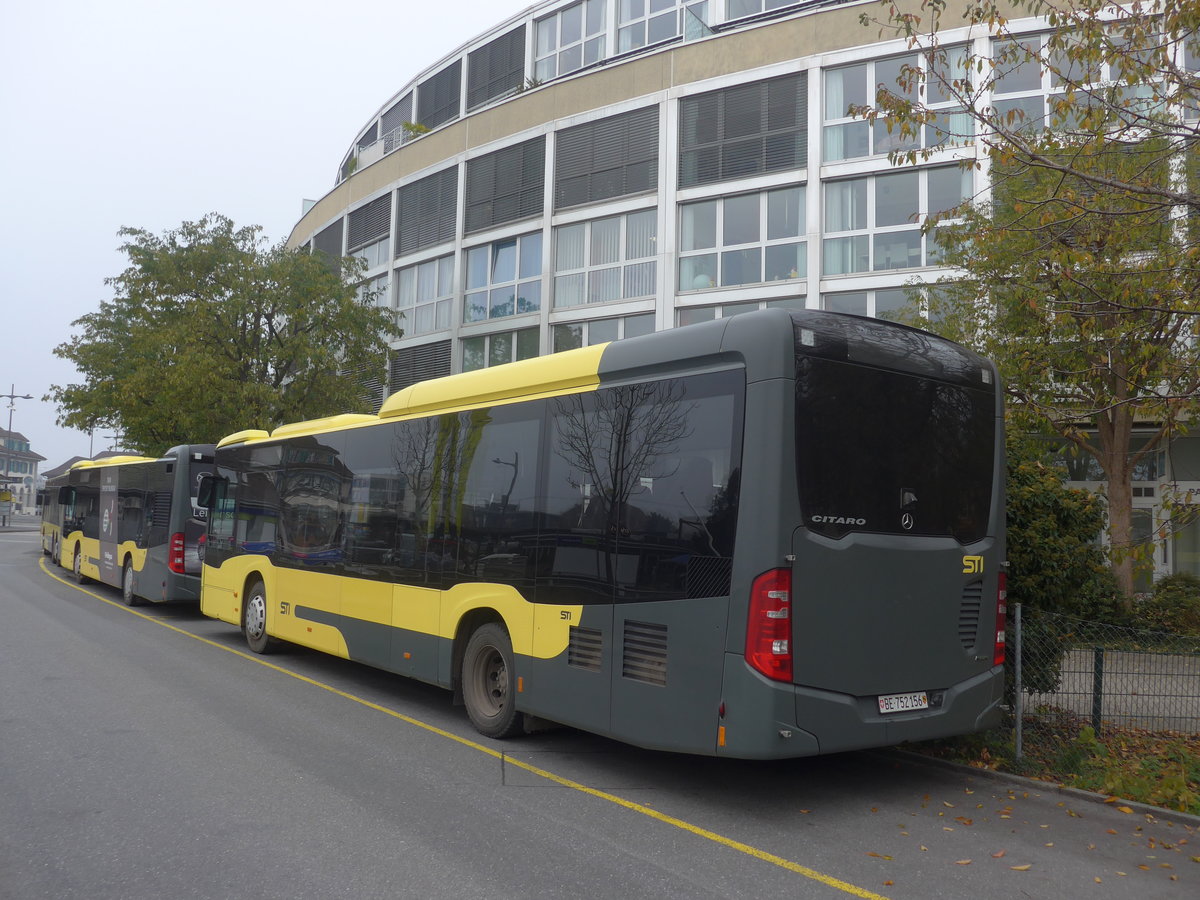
(972,565)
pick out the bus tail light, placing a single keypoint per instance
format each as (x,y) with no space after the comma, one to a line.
(175,553)
(1001,619)
(769,625)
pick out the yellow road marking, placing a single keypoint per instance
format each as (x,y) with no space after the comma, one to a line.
(696,830)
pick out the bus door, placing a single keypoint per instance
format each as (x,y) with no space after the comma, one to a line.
(313,488)
(575,557)
(676,489)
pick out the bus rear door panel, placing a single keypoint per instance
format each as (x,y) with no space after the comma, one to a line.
(670,454)
(663,680)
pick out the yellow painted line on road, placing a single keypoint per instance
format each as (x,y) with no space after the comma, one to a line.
(696,830)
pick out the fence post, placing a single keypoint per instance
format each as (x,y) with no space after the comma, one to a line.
(1017,680)
(1097,687)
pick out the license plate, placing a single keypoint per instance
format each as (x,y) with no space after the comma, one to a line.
(893,703)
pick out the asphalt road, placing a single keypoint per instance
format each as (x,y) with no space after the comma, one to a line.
(145,754)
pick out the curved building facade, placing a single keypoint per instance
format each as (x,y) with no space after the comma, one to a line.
(590,170)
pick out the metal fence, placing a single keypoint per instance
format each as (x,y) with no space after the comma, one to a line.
(1102,675)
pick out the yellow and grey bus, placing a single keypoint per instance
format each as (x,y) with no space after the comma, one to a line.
(771,535)
(131,522)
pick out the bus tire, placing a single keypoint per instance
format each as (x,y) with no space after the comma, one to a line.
(254,619)
(77,568)
(489,681)
(128,597)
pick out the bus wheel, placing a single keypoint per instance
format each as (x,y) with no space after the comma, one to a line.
(487,683)
(77,568)
(254,619)
(128,597)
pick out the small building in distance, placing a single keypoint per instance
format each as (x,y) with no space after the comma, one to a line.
(19,469)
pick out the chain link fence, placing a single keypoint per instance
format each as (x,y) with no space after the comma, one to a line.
(1088,673)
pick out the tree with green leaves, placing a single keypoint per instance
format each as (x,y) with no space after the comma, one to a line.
(1080,272)
(1054,562)
(211,331)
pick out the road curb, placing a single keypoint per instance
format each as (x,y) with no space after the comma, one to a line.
(1025,783)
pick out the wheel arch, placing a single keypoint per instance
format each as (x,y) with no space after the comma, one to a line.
(252,576)
(467,626)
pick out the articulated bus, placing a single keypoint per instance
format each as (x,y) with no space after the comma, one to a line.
(773,535)
(131,522)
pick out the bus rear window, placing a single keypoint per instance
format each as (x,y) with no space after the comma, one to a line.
(886,451)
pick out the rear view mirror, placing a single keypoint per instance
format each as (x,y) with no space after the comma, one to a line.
(206,490)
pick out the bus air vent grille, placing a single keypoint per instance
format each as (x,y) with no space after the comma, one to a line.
(968,614)
(161,509)
(585,649)
(644,656)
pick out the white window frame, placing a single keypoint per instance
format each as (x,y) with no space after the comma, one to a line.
(486,292)
(586,275)
(489,344)
(636,17)
(426,311)
(548,60)
(719,249)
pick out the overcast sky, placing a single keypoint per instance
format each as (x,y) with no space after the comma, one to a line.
(148,114)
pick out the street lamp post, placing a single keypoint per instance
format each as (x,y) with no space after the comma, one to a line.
(12,396)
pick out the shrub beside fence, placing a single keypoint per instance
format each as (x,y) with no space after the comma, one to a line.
(1102,675)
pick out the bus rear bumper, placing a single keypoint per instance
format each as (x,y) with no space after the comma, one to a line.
(769,720)
(844,722)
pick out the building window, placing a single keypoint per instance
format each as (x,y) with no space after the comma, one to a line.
(1191,62)
(506,185)
(606,259)
(329,240)
(504,278)
(500,348)
(373,255)
(425,295)
(368,225)
(369,137)
(612,157)
(374,291)
(1037,95)
(496,69)
(643,22)
(392,123)
(746,239)
(745,130)
(846,137)
(690,315)
(874,223)
(427,212)
(572,335)
(438,97)
(408,365)
(882,304)
(570,39)
(739,9)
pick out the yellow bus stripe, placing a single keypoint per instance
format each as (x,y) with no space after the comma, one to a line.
(631,805)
